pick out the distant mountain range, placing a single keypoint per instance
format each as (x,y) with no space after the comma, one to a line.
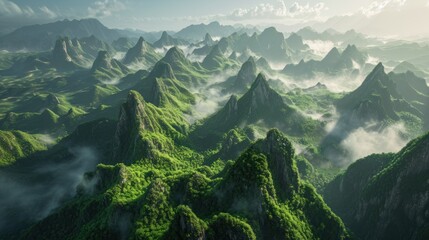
(259,104)
(334,63)
(197,32)
(122,134)
(382,99)
(348,37)
(41,37)
(167,41)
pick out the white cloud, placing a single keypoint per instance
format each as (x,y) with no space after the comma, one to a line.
(263,14)
(279,10)
(105,8)
(385,18)
(48,12)
(363,142)
(10,9)
(13,15)
(377,7)
(319,47)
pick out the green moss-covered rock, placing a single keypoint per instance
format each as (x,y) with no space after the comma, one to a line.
(225,226)
(186,226)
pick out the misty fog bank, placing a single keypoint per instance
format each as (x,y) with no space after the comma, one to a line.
(29,195)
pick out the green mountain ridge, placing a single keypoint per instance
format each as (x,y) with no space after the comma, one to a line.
(196,32)
(388,200)
(106,68)
(161,88)
(269,44)
(190,74)
(334,63)
(382,99)
(217,60)
(244,78)
(261,106)
(146,132)
(41,37)
(211,140)
(167,41)
(141,53)
(271,211)
(16,144)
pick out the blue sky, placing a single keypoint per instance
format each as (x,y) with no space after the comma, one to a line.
(153,15)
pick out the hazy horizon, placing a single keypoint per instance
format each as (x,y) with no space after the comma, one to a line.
(387,18)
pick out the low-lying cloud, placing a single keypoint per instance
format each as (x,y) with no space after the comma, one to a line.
(320,47)
(336,84)
(29,195)
(279,10)
(364,141)
(209,97)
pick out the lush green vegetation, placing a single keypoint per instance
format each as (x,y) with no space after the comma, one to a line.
(252,168)
(367,187)
(15,145)
(261,192)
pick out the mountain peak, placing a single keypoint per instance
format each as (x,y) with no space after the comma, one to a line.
(334,51)
(214,24)
(294,36)
(271,35)
(295,42)
(141,52)
(174,55)
(60,53)
(374,99)
(260,97)
(41,37)
(108,66)
(280,154)
(251,59)
(103,60)
(140,41)
(214,58)
(167,40)
(379,67)
(165,35)
(246,74)
(332,57)
(352,53)
(260,82)
(208,38)
(233,56)
(52,100)
(263,63)
(231,107)
(162,70)
(135,103)
(161,88)
(131,121)
(269,30)
(132,112)
(216,51)
(376,73)
(140,45)
(351,48)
